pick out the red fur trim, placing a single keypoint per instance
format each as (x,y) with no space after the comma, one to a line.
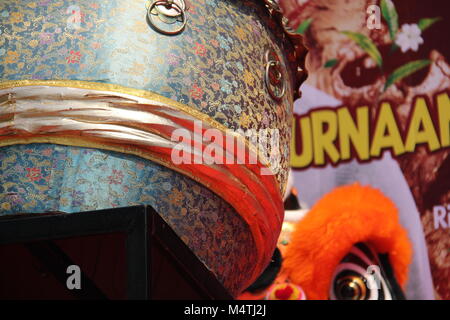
(342,218)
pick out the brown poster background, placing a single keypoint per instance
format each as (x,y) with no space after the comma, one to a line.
(378,94)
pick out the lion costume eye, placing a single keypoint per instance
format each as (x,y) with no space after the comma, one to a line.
(358,277)
(350,287)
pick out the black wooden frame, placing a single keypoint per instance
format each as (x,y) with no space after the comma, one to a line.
(141,224)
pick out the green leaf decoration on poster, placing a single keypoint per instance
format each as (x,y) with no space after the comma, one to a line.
(367,45)
(390,15)
(405,71)
(304,26)
(425,23)
(331,63)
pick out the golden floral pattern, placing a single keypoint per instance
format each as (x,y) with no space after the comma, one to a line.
(213,66)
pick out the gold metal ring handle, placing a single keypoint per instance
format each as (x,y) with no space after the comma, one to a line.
(169,11)
(275,92)
(272,4)
(170,4)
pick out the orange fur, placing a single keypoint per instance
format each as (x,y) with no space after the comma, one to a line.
(342,218)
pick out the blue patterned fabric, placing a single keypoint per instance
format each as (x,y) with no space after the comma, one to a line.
(215,66)
(38,178)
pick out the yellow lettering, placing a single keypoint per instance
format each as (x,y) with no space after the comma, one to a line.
(358,133)
(421,118)
(443,103)
(324,138)
(381,140)
(305,158)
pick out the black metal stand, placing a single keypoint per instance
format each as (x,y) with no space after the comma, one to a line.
(153,252)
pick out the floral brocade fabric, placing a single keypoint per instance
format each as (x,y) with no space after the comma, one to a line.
(44,177)
(216,65)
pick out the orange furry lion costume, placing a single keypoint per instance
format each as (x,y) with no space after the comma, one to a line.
(342,218)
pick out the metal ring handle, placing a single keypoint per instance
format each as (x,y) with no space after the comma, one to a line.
(273,94)
(177,7)
(169,12)
(272,4)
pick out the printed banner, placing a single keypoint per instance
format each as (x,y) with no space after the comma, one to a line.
(375,108)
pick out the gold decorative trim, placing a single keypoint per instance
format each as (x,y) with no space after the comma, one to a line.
(87,85)
(80,142)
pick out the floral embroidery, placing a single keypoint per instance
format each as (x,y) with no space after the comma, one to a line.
(16,17)
(196,92)
(241,34)
(19,168)
(166,186)
(77,198)
(173,59)
(214,43)
(187,68)
(248,78)
(46,38)
(34,43)
(176,198)
(240,66)
(265,118)
(75,57)
(244,120)
(200,49)
(34,174)
(116,177)
(12,57)
(192,10)
(6,206)
(225,86)
(224,42)
(215,86)
(47,152)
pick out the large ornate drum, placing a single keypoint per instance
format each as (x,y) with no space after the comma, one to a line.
(92,93)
